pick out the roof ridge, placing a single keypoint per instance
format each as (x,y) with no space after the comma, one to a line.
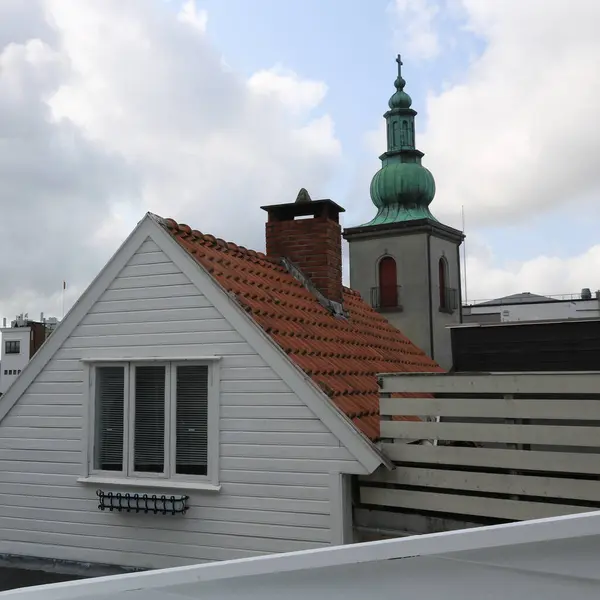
(208,239)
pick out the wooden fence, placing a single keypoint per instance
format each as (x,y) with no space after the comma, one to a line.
(501,447)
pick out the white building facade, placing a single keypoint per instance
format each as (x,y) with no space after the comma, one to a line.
(20,342)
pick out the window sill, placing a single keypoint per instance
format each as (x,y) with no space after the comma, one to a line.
(166,484)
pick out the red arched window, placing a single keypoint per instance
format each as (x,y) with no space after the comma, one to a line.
(388,283)
(443,276)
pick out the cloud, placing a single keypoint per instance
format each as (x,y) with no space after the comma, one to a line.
(541,275)
(519,134)
(55,183)
(110,109)
(416,29)
(190,14)
(287,87)
(516,134)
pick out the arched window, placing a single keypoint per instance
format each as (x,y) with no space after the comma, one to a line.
(443,283)
(388,283)
(404,141)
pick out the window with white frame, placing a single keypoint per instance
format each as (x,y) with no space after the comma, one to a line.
(153,419)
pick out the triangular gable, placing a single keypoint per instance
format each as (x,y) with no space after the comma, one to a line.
(339,425)
(78,311)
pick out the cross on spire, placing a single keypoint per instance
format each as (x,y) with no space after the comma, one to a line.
(400,63)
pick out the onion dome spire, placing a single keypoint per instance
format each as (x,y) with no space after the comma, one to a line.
(400,99)
(403,188)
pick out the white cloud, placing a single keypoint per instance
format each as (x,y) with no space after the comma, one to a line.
(190,14)
(109,109)
(519,134)
(416,29)
(540,275)
(286,86)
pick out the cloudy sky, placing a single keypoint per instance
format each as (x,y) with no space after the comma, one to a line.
(204,111)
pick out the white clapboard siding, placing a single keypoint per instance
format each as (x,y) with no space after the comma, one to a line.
(276,457)
(535,454)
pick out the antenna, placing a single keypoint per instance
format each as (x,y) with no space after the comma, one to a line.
(462,209)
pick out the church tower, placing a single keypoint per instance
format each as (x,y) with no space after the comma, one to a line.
(404,262)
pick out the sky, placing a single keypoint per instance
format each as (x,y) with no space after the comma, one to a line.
(204,111)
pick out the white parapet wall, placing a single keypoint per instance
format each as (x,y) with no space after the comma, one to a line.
(546,559)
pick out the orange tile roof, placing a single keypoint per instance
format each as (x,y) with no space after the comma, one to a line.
(343,357)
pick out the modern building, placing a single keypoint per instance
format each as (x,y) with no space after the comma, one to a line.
(533,307)
(20,342)
(404,262)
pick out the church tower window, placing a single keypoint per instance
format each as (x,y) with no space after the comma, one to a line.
(445,301)
(388,283)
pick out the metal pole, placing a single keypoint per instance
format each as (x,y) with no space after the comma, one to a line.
(462,208)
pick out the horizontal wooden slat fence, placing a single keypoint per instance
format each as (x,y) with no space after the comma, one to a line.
(500,447)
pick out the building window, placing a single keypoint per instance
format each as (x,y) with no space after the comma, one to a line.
(443,277)
(388,283)
(12,347)
(155,420)
(448,295)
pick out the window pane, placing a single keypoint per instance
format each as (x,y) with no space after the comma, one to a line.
(149,426)
(110,411)
(191,427)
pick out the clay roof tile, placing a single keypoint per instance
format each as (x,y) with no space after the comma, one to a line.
(342,356)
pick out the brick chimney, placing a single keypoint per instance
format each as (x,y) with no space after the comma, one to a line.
(308,233)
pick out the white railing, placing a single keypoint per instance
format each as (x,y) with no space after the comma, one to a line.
(510,446)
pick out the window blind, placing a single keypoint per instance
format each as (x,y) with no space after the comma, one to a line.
(149,419)
(192,420)
(110,412)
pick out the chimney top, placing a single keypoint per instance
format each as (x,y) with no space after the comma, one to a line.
(314,245)
(302,208)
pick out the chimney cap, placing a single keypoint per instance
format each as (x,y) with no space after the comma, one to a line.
(301,208)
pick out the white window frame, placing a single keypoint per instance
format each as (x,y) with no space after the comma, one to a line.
(168,479)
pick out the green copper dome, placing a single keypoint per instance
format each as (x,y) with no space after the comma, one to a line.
(403,188)
(410,182)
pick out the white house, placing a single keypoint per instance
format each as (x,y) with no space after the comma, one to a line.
(200,402)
